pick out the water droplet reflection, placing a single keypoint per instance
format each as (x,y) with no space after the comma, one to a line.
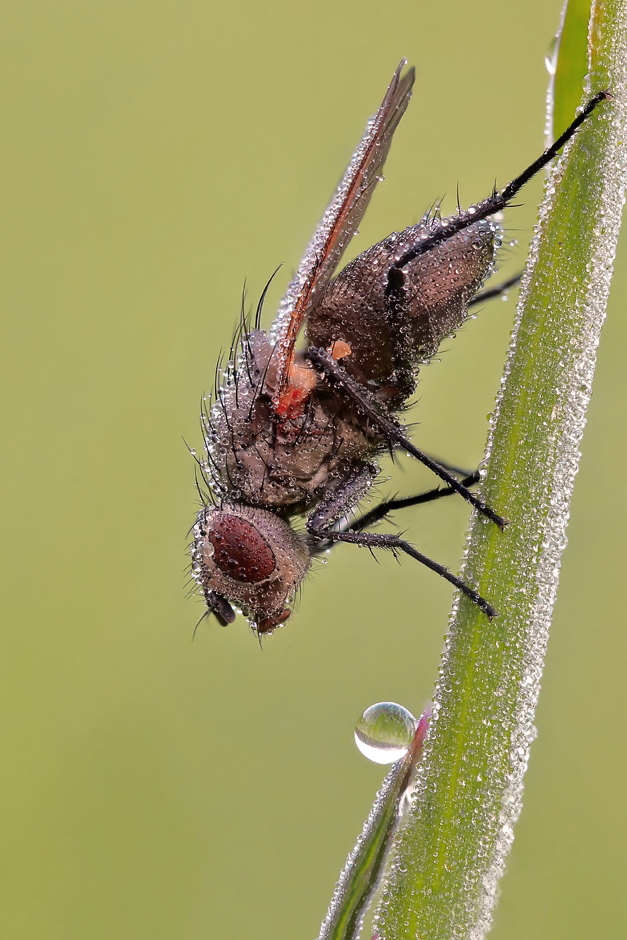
(384,732)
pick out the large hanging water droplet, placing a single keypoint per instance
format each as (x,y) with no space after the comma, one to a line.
(384,732)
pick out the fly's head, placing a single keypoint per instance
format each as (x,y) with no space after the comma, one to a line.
(251,558)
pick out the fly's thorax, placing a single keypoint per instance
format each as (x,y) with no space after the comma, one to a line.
(264,460)
(250,557)
(241,418)
(390,332)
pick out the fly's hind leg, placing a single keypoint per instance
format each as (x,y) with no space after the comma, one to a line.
(498,201)
(322,522)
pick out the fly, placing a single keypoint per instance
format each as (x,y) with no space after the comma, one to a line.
(302,414)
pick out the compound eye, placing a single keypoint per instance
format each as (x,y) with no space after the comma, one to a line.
(239,549)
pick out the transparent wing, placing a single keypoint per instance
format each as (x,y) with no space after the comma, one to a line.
(341,219)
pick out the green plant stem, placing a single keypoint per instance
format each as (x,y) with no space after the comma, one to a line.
(362,872)
(570,68)
(469,784)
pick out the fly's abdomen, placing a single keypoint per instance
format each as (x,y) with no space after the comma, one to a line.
(392,324)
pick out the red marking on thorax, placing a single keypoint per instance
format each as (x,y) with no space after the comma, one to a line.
(302,381)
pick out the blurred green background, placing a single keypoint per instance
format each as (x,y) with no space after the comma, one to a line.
(156,155)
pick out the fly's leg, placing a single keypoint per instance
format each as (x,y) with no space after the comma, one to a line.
(395,543)
(322,520)
(453,468)
(374,515)
(379,512)
(389,429)
(487,207)
(395,287)
(497,291)
(458,471)
(337,503)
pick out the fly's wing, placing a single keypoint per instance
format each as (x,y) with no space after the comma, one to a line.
(340,221)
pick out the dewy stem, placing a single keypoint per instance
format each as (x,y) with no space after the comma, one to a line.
(469,784)
(362,872)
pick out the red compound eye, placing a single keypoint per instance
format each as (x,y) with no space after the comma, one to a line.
(239,549)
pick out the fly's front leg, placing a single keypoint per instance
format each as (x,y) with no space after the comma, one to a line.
(337,503)
(321,525)
(390,430)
